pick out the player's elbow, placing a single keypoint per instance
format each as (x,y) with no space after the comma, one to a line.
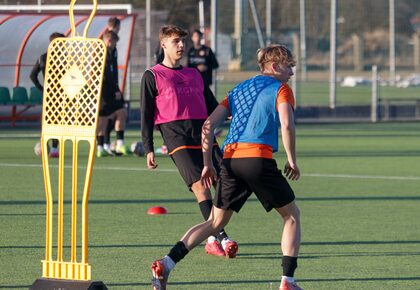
(288,126)
(33,78)
(208,126)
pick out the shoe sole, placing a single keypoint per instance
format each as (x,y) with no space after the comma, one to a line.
(217,255)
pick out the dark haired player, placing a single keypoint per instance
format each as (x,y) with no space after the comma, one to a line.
(174,99)
(39,66)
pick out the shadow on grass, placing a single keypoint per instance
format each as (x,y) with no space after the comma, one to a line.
(186,200)
(277,255)
(22,214)
(110,201)
(370,154)
(362,279)
(339,243)
(243,282)
(268,282)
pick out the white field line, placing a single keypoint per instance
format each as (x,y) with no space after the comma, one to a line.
(321,175)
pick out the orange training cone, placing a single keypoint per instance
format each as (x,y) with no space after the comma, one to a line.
(157,210)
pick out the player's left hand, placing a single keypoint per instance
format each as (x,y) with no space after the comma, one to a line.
(151,164)
(208,176)
(291,171)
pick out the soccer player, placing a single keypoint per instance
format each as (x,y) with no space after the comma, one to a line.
(258,107)
(202,57)
(114,24)
(174,99)
(112,104)
(40,66)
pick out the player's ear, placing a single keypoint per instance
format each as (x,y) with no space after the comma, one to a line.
(274,67)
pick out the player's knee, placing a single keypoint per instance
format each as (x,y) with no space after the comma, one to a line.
(295,215)
(201,192)
(290,211)
(121,114)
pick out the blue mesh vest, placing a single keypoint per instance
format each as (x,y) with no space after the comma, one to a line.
(254,115)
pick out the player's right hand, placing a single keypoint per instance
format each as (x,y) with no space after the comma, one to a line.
(151,164)
(208,176)
(291,171)
(202,67)
(118,96)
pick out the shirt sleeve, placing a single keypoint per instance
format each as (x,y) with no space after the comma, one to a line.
(213,60)
(189,54)
(34,75)
(211,102)
(148,93)
(225,102)
(285,95)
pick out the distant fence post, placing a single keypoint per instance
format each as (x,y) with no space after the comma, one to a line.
(374,106)
(357,52)
(294,87)
(416,47)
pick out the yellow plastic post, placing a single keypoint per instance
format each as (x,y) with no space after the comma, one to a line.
(72,89)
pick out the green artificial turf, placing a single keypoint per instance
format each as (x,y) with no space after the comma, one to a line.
(359,196)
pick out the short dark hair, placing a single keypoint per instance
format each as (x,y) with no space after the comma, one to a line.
(198,32)
(55,35)
(169,30)
(111,35)
(114,21)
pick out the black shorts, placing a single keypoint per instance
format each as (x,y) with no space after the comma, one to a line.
(240,177)
(107,110)
(190,163)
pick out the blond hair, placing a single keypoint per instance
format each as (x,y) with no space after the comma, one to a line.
(275,53)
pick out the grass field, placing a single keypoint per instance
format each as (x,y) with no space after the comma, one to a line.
(316,93)
(358,195)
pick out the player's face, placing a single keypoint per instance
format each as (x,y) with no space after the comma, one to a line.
(173,46)
(195,38)
(283,72)
(115,28)
(110,43)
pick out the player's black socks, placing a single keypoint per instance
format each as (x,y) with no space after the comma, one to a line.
(205,208)
(178,252)
(109,127)
(289,265)
(100,140)
(222,235)
(55,143)
(120,135)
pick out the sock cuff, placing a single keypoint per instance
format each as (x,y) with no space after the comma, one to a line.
(289,265)
(205,208)
(120,135)
(178,252)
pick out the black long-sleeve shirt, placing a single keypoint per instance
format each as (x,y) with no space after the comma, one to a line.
(176,133)
(39,66)
(203,55)
(110,82)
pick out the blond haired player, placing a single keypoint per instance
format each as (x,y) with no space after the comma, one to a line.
(258,107)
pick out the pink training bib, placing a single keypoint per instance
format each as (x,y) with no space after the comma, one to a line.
(180,94)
